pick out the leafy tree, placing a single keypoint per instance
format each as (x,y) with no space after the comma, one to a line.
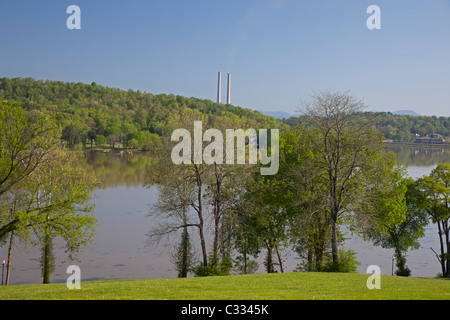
(112,139)
(72,134)
(212,191)
(25,141)
(149,142)
(405,235)
(11,202)
(351,162)
(246,244)
(183,258)
(241,222)
(269,219)
(99,140)
(40,187)
(434,199)
(309,223)
(60,194)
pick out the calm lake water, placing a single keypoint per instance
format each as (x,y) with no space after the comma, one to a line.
(119,250)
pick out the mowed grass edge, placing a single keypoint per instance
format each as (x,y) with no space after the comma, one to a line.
(287,286)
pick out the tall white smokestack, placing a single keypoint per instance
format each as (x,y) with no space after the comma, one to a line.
(229,89)
(219,88)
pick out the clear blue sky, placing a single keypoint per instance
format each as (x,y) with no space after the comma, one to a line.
(278,51)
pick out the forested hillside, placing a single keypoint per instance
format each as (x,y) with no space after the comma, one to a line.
(94,115)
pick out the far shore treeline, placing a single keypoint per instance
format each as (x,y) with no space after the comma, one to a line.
(334,171)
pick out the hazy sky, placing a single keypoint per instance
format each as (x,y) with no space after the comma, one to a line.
(277,51)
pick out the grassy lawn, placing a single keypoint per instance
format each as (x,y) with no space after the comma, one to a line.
(287,286)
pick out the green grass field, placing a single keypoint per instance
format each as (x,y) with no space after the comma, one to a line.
(288,286)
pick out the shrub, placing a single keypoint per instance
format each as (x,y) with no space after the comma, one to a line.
(220,269)
(402,269)
(347,262)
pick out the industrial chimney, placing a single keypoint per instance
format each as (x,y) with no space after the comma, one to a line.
(228,89)
(218,88)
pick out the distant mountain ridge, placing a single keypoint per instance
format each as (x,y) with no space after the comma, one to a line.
(406,112)
(285,115)
(277,114)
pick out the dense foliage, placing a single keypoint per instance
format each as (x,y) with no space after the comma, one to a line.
(43,193)
(90,113)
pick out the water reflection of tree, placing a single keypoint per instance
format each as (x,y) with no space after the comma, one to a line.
(420,155)
(115,168)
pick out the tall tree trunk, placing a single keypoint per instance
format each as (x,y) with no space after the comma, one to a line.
(310,258)
(319,243)
(8,265)
(47,259)
(216,240)
(245,262)
(442,259)
(270,245)
(447,254)
(200,214)
(45,266)
(332,172)
(269,260)
(202,240)
(280,261)
(319,247)
(185,248)
(11,238)
(216,211)
(334,240)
